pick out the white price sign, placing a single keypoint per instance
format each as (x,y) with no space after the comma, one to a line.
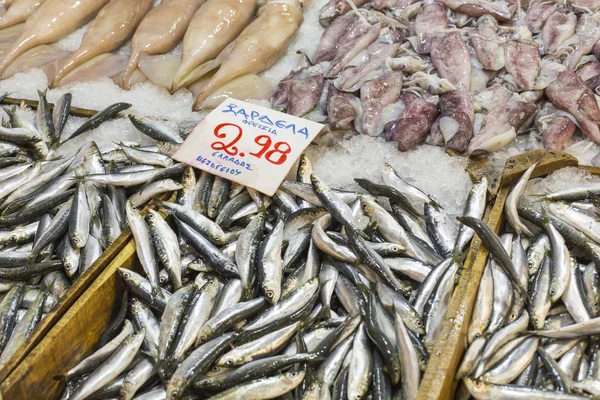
(248,144)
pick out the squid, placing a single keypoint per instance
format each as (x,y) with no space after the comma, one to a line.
(558,28)
(391,4)
(105,65)
(6,3)
(487,44)
(160,31)
(114,24)
(277,23)
(456,122)
(556,129)
(477,8)
(336,8)
(341,111)
(300,91)
(351,44)
(450,56)
(590,74)
(430,19)
(351,79)
(414,124)
(214,26)
(588,34)
(245,87)
(537,14)
(377,98)
(54,20)
(500,127)
(490,98)
(19,12)
(570,93)
(523,62)
(39,57)
(586,5)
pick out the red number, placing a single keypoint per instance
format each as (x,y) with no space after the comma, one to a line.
(283,153)
(228,148)
(266,143)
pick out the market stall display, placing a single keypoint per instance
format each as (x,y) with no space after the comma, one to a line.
(60,213)
(341,286)
(532,331)
(354,274)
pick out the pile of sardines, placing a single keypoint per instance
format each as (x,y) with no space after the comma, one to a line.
(534,329)
(58,214)
(312,293)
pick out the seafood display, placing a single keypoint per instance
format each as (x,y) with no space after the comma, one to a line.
(533,333)
(60,213)
(467,75)
(219,43)
(470,76)
(312,293)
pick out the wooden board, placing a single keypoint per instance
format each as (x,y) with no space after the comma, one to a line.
(76,111)
(73,338)
(438,381)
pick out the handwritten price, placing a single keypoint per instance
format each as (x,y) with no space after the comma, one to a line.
(276,155)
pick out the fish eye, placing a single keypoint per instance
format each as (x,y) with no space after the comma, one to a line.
(419,323)
(229,362)
(216,368)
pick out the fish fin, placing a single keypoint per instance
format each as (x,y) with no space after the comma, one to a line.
(160,69)
(129,69)
(103,65)
(202,69)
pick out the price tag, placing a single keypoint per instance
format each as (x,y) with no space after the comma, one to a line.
(248,144)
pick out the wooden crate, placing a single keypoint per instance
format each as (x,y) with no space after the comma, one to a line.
(72,338)
(438,381)
(73,293)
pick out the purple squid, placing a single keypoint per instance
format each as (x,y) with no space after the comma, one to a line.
(487,44)
(588,34)
(477,8)
(558,28)
(430,19)
(414,124)
(523,62)
(300,91)
(336,8)
(450,56)
(352,78)
(456,121)
(537,14)
(377,98)
(556,129)
(500,127)
(571,94)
